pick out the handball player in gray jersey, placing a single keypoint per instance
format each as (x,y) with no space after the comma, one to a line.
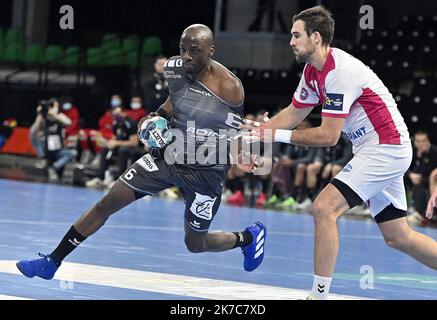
(205,100)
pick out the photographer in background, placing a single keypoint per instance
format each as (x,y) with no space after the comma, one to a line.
(48,128)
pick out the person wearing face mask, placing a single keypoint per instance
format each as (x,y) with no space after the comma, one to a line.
(123,145)
(71,131)
(116,101)
(155,88)
(106,121)
(136,111)
(92,141)
(50,121)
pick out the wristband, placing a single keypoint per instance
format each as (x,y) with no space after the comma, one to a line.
(282,135)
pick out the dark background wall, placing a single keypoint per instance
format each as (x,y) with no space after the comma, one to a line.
(163,18)
(5,14)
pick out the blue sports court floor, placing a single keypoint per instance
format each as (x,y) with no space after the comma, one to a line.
(140,253)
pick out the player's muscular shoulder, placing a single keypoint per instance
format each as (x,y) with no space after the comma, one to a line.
(230,88)
(232,91)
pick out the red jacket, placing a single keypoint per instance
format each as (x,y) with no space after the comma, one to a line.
(105,125)
(136,115)
(74,127)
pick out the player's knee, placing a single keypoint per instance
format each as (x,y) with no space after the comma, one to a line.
(318,210)
(195,245)
(321,211)
(399,241)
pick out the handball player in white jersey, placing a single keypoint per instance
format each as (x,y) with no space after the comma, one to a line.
(354,100)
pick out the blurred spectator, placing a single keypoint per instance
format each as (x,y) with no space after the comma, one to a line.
(92,141)
(136,111)
(106,121)
(71,131)
(234,193)
(124,145)
(36,137)
(327,163)
(51,123)
(322,157)
(6,128)
(422,175)
(155,89)
(339,156)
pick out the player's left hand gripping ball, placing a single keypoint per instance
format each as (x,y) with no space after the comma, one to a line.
(155,132)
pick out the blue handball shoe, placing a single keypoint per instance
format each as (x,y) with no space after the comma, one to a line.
(44,268)
(254,252)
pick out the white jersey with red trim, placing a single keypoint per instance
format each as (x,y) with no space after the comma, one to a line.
(349,89)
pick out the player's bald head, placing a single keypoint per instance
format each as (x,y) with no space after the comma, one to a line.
(199,33)
(196,48)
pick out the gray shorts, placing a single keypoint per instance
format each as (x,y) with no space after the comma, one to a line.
(200,188)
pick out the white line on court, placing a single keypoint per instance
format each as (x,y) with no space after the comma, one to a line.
(170,283)
(6,297)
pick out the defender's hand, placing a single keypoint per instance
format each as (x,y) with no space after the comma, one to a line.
(251,124)
(258,131)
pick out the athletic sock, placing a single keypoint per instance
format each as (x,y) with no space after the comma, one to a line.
(244,238)
(70,241)
(321,287)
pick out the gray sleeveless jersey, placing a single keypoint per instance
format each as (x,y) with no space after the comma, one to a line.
(203,123)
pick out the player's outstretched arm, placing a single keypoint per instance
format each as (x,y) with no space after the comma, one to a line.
(326,135)
(288,118)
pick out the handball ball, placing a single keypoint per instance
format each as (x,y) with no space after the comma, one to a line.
(155,132)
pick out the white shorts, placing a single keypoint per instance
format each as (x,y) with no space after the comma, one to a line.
(376,175)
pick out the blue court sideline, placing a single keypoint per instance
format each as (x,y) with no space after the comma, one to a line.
(140,252)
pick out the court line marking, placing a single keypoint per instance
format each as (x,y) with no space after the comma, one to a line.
(171,283)
(8,297)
